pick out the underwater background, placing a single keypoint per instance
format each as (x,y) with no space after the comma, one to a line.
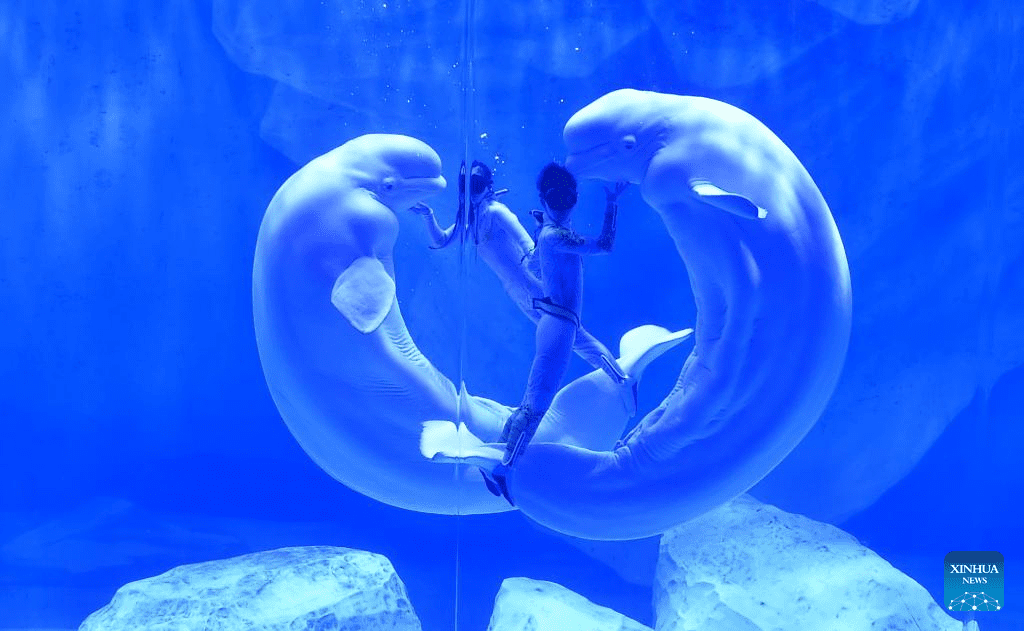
(142,143)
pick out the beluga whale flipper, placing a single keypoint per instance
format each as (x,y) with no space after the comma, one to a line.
(772,289)
(346,376)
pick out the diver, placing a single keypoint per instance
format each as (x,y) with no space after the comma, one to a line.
(507,248)
(560,253)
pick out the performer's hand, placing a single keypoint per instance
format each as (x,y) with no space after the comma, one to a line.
(422,209)
(613,194)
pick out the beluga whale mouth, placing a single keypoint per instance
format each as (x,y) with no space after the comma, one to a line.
(427,186)
(582,163)
(772,288)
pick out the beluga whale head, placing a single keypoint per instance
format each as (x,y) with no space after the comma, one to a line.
(398,171)
(614,138)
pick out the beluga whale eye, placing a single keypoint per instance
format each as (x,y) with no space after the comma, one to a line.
(628,142)
(388,184)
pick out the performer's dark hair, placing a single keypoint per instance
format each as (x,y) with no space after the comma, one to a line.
(557,187)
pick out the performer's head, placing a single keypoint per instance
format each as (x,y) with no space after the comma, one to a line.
(557,188)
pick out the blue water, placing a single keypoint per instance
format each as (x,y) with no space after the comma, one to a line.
(142,144)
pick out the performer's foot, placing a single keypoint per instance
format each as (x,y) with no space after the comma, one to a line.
(514,448)
(613,370)
(496,482)
(518,432)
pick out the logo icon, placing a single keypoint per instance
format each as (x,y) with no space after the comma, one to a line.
(974,581)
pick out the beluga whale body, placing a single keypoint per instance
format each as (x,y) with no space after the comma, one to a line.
(772,288)
(346,376)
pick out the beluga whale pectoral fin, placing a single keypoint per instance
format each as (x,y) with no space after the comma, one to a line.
(729,202)
(364,293)
(642,345)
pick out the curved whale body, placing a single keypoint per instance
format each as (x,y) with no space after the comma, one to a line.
(772,289)
(340,364)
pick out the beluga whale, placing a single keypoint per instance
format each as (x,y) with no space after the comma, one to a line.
(772,289)
(340,364)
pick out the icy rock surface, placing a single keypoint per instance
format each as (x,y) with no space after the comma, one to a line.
(403,61)
(319,588)
(748,566)
(524,604)
(871,11)
(747,42)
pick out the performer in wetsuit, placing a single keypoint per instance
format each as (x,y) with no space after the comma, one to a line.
(560,251)
(508,249)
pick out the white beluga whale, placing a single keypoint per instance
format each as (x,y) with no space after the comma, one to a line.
(772,288)
(346,376)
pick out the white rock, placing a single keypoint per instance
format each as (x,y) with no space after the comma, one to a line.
(524,604)
(320,588)
(748,566)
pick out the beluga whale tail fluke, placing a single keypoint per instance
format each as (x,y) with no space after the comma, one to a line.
(772,288)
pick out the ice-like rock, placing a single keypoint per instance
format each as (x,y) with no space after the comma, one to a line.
(345,53)
(524,604)
(561,39)
(715,48)
(386,48)
(290,588)
(403,63)
(397,75)
(749,566)
(391,44)
(871,11)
